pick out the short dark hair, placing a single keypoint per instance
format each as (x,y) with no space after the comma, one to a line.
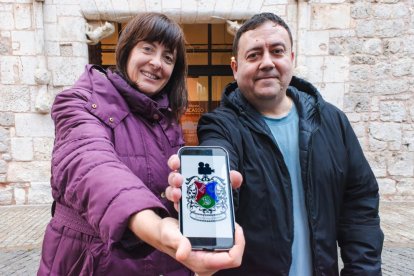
(255,22)
(157,27)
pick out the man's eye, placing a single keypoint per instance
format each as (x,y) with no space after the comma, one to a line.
(252,56)
(279,51)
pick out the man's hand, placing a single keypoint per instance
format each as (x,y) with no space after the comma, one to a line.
(175,180)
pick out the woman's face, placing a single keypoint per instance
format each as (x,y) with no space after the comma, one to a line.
(150,66)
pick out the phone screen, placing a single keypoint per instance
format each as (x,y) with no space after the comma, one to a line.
(206,207)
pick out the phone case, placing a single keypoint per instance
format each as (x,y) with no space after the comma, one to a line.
(206,207)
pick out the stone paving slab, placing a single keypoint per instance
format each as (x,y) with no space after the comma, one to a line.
(397,222)
(395,261)
(22,228)
(22,262)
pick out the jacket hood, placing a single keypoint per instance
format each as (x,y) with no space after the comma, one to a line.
(137,101)
(307,99)
(122,97)
(299,90)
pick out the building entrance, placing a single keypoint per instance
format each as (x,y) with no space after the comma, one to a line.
(208,54)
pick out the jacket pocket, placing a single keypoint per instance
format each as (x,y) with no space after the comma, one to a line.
(76,253)
(83,266)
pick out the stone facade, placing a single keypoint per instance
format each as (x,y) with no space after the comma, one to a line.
(360,55)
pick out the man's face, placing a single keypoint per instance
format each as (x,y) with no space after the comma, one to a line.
(264,64)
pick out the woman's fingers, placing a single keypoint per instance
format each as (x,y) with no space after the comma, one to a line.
(183,250)
(236,253)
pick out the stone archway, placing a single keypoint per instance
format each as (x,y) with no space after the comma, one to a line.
(188,11)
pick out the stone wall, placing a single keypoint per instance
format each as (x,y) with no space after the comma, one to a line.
(43,50)
(360,55)
(380,99)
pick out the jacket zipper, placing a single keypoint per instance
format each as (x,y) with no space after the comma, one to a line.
(310,220)
(279,154)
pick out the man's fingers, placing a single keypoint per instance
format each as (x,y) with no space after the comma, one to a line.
(175,179)
(174,162)
(236,179)
(173,194)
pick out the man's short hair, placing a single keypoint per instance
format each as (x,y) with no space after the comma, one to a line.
(256,21)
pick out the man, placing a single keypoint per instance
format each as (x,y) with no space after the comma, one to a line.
(307,185)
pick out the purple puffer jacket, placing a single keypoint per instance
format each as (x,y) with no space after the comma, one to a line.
(109,162)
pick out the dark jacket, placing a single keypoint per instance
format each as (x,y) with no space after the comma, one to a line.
(109,161)
(340,188)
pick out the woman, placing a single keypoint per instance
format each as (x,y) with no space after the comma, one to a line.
(114,134)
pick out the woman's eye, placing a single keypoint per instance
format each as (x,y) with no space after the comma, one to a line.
(169,59)
(147,49)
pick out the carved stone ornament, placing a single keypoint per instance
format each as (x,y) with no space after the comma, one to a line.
(93,36)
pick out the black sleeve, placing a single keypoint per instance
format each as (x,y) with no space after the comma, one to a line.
(359,235)
(219,128)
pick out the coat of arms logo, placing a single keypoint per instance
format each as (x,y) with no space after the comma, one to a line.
(206,196)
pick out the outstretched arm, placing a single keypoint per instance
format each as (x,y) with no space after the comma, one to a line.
(164,235)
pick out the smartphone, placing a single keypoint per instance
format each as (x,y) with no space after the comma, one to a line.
(206,207)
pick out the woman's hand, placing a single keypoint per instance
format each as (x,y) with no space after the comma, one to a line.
(175,180)
(201,262)
(164,235)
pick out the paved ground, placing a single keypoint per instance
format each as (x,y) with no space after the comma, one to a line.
(22,227)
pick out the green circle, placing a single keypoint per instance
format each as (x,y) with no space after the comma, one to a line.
(206,201)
